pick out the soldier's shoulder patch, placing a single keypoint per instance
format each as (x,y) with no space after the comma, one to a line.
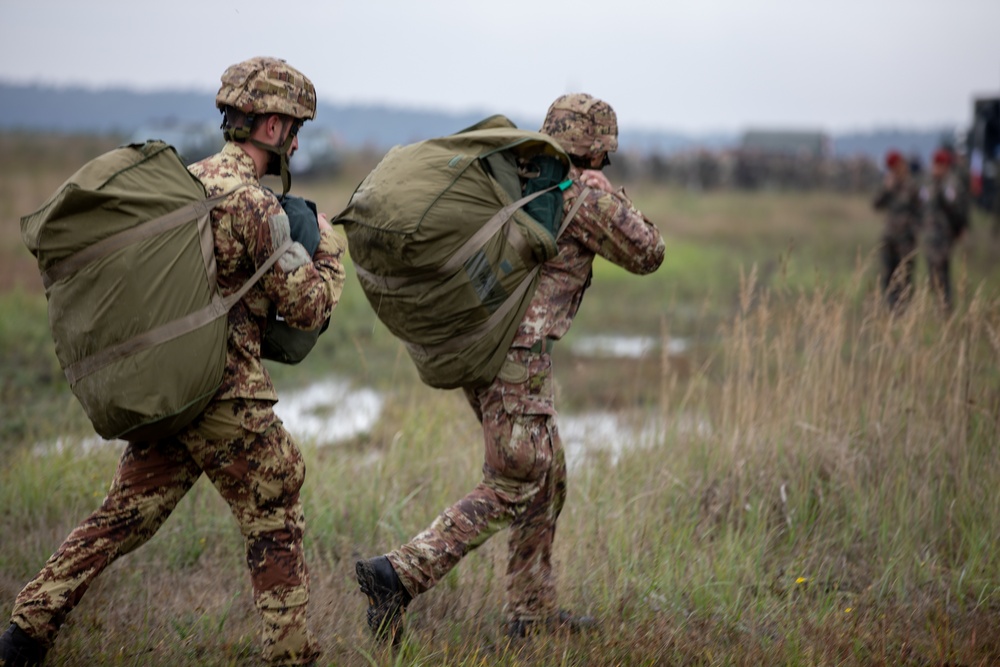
(281,231)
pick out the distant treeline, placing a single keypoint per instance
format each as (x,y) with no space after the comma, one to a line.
(736,169)
(122,111)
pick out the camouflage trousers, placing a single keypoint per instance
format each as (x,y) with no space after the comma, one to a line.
(898,254)
(244,450)
(938,248)
(523,488)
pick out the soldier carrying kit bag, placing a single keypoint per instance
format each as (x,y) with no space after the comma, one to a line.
(447,237)
(127,257)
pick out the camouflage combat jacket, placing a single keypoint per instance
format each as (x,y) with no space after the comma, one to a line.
(901,204)
(946,209)
(247,227)
(608,225)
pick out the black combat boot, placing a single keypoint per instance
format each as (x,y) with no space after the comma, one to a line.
(18,649)
(387,599)
(564,621)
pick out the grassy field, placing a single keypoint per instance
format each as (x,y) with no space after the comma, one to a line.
(836,504)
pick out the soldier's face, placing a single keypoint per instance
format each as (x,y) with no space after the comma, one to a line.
(600,161)
(290,129)
(294,132)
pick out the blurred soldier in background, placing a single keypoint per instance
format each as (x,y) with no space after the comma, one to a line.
(524,472)
(899,199)
(945,203)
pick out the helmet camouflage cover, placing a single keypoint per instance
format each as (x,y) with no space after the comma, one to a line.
(582,124)
(267,85)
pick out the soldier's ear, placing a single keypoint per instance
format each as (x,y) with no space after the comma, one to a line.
(272,125)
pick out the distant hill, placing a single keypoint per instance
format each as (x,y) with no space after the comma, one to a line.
(122,111)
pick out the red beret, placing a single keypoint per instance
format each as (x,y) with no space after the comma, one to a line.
(892,158)
(942,157)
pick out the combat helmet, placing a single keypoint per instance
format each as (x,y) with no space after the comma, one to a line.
(583,125)
(261,86)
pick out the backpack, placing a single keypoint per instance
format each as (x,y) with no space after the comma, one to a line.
(127,257)
(447,237)
(280,341)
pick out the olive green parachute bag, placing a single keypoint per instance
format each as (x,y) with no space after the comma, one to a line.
(126,252)
(448,236)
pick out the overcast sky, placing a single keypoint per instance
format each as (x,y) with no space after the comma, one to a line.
(687,65)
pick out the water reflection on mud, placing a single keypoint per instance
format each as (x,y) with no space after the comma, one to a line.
(329,411)
(609,434)
(81,445)
(334,410)
(322,413)
(628,347)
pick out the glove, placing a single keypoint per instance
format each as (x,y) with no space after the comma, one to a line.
(302,218)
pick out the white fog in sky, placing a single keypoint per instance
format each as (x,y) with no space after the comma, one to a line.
(686,65)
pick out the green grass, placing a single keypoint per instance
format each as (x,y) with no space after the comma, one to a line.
(821,521)
(837,508)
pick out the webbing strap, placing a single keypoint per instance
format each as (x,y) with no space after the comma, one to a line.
(474,243)
(140,232)
(573,211)
(231,300)
(460,342)
(517,241)
(84,367)
(484,233)
(460,256)
(218,306)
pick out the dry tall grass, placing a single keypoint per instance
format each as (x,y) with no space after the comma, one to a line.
(838,509)
(834,505)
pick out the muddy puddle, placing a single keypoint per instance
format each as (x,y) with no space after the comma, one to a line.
(626,347)
(329,411)
(334,410)
(323,413)
(604,436)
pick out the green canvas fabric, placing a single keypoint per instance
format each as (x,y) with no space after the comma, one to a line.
(418,232)
(282,342)
(126,252)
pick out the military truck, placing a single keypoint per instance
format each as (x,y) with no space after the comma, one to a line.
(319,152)
(193,141)
(983,153)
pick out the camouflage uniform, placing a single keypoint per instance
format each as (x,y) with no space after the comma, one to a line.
(524,473)
(238,441)
(945,202)
(901,203)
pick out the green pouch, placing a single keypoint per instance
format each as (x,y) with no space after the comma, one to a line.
(282,342)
